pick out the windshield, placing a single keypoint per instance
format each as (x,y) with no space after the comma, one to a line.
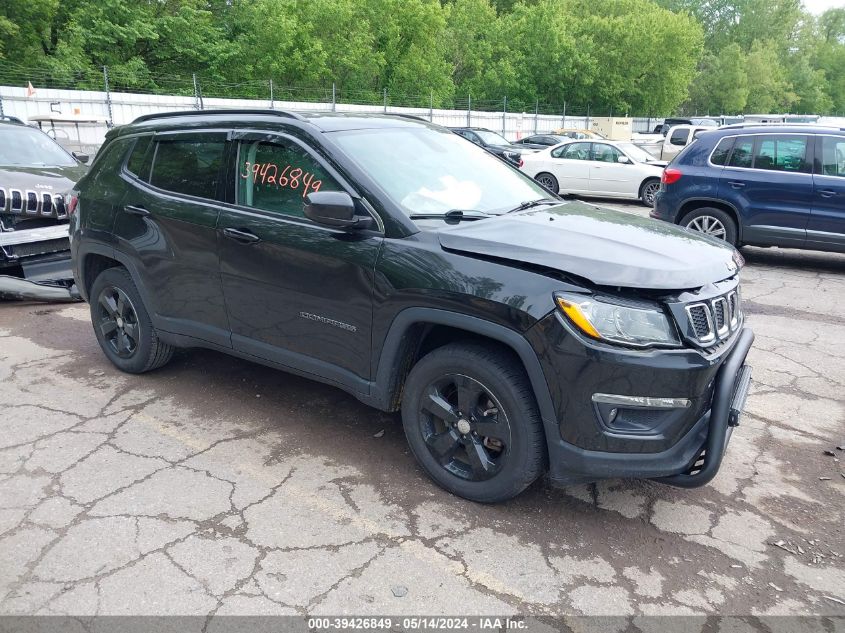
(22,146)
(636,153)
(431,171)
(491,138)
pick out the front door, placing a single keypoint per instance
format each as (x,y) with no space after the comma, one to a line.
(826,228)
(769,178)
(297,293)
(609,177)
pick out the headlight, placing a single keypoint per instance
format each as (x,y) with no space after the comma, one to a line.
(637,324)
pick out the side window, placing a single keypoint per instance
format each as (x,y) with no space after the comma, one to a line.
(781,153)
(141,158)
(720,154)
(573,151)
(679,137)
(833,156)
(107,163)
(277,176)
(188,166)
(605,153)
(743,152)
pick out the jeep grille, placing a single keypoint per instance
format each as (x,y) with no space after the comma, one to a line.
(714,320)
(45,205)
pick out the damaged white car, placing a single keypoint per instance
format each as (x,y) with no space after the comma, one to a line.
(36,174)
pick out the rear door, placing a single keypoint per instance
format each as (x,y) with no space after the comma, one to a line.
(768,179)
(826,228)
(167,226)
(570,164)
(298,293)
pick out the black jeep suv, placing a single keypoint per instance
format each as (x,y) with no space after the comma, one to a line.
(386,256)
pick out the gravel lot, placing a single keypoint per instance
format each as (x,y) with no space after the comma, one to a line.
(215,486)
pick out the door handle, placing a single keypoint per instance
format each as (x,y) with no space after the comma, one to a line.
(136,210)
(244,237)
(736,184)
(827,193)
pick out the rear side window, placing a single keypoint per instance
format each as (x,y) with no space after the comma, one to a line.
(141,158)
(743,153)
(720,154)
(189,166)
(277,176)
(107,161)
(833,156)
(782,153)
(573,151)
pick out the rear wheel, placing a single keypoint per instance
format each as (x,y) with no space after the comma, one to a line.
(648,191)
(712,221)
(122,324)
(548,181)
(471,421)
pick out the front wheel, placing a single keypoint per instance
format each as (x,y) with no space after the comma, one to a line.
(548,181)
(648,191)
(713,222)
(472,422)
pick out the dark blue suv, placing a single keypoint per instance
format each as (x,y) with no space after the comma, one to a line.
(760,186)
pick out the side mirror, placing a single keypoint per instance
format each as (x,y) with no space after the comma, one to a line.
(623,159)
(82,157)
(335,209)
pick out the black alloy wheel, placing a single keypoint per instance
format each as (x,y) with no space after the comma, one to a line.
(472,422)
(118,321)
(464,427)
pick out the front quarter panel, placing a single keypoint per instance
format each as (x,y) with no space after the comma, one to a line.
(416,271)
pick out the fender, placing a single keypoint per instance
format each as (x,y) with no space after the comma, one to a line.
(390,359)
(97,248)
(718,201)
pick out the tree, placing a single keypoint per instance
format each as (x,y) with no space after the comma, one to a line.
(768,88)
(830,55)
(721,86)
(479,51)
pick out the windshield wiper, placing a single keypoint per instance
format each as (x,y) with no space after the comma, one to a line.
(522,206)
(453,215)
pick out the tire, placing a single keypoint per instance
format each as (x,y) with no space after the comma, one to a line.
(648,190)
(712,221)
(548,181)
(122,324)
(490,383)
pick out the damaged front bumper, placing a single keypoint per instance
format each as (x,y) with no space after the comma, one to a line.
(35,265)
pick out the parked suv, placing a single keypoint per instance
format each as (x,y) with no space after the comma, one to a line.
(36,175)
(390,258)
(761,186)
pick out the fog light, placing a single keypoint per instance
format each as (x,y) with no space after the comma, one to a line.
(641,401)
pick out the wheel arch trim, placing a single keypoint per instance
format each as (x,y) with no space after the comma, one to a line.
(391,355)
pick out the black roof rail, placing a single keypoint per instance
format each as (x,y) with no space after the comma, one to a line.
(415,117)
(166,115)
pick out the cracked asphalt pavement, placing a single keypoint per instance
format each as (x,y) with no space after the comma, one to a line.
(215,486)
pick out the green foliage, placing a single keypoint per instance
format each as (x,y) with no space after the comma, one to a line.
(721,86)
(639,56)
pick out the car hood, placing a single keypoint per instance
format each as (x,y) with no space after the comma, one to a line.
(56,180)
(609,248)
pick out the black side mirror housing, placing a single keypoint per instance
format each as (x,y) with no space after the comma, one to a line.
(335,209)
(82,157)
